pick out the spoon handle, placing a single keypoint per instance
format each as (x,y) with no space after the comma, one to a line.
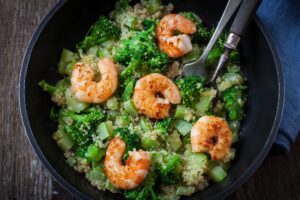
(231,7)
(243,16)
(236,30)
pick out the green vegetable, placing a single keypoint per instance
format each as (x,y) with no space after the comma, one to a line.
(81,126)
(57,92)
(190,88)
(193,55)
(63,140)
(204,103)
(217,173)
(112,103)
(53,114)
(97,174)
(66,62)
(232,99)
(185,190)
(149,144)
(229,80)
(180,111)
(183,127)
(152,5)
(168,167)
(163,126)
(122,120)
(130,108)
(128,91)
(146,124)
(141,55)
(174,141)
(94,153)
(144,191)
(73,103)
(132,140)
(235,128)
(103,30)
(104,130)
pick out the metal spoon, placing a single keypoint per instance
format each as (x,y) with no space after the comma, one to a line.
(198,67)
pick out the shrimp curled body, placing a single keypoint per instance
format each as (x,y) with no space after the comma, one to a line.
(131,174)
(213,135)
(146,99)
(86,89)
(175,46)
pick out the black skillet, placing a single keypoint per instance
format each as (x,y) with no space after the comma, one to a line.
(67,24)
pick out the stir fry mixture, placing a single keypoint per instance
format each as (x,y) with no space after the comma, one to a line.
(126,117)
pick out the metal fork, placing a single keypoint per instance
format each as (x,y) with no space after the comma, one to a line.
(198,67)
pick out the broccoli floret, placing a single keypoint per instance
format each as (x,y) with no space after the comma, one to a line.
(150,25)
(103,30)
(81,126)
(132,140)
(164,125)
(190,88)
(141,56)
(203,34)
(168,167)
(233,100)
(57,92)
(144,191)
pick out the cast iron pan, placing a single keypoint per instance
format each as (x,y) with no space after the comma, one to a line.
(67,24)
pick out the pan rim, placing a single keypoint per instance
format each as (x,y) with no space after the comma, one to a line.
(71,188)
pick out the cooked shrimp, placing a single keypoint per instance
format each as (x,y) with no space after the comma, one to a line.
(175,46)
(146,95)
(84,86)
(131,174)
(213,135)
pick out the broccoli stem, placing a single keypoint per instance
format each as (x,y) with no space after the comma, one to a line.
(128,91)
(183,127)
(180,112)
(47,87)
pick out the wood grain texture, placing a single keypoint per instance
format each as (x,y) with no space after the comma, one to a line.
(21,174)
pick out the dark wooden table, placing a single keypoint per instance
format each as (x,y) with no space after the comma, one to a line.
(22,175)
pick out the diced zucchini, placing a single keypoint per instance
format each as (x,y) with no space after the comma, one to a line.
(229,80)
(217,173)
(174,141)
(146,124)
(128,91)
(149,144)
(94,153)
(183,127)
(130,108)
(198,159)
(63,140)
(73,103)
(185,190)
(66,58)
(104,130)
(180,112)
(193,55)
(205,101)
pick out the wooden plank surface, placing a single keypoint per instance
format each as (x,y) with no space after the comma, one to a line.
(21,174)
